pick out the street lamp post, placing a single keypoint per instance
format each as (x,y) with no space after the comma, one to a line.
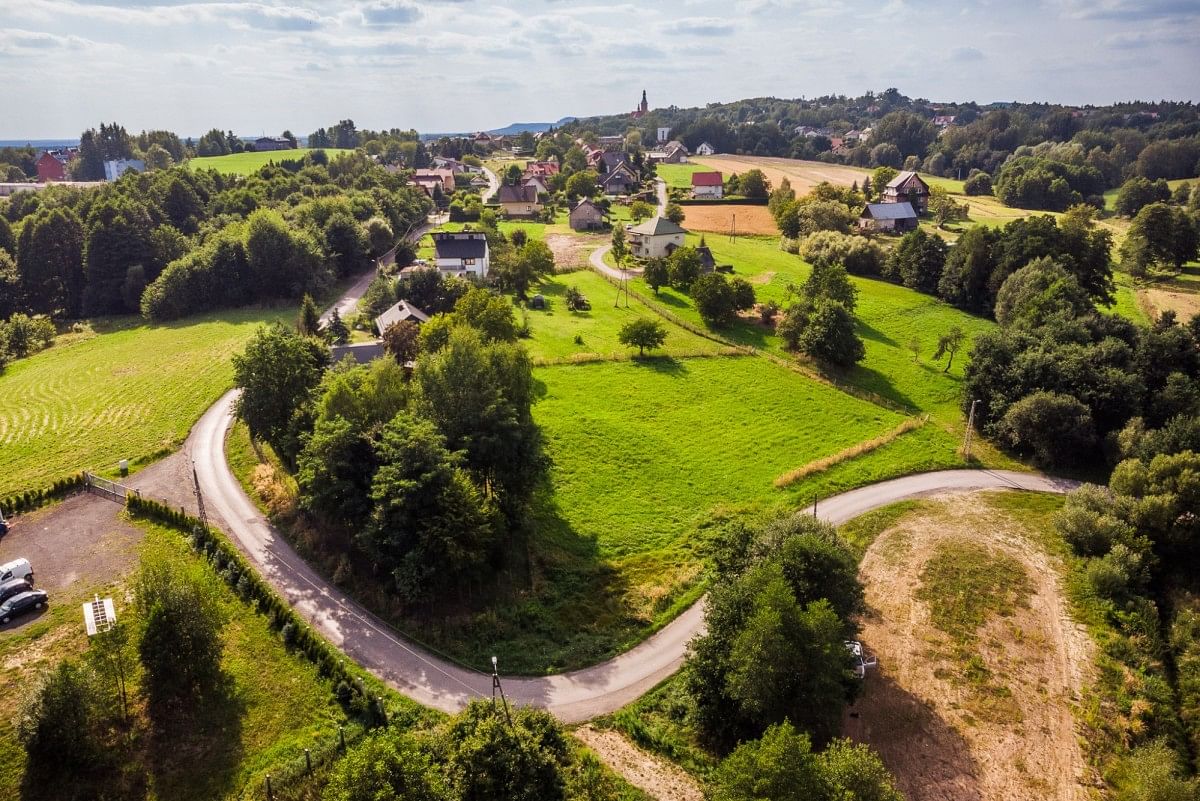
(497,688)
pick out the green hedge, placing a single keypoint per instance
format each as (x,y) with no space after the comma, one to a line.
(29,500)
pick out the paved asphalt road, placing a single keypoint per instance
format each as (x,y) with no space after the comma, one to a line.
(492,187)
(660,189)
(436,682)
(347,305)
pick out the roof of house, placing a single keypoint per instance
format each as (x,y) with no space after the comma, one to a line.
(451,247)
(398,313)
(902,178)
(657,226)
(707,179)
(707,262)
(889,211)
(517,194)
(585,203)
(620,174)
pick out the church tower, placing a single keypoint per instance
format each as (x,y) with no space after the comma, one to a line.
(644,107)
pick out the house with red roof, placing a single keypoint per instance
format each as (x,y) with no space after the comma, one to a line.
(708,185)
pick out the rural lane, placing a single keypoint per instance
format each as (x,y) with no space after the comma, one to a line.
(660,190)
(347,304)
(442,684)
(493,185)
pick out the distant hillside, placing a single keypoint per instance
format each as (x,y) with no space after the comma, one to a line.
(507,130)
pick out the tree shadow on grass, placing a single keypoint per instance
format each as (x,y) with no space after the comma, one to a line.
(871,380)
(874,334)
(194,752)
(667,365)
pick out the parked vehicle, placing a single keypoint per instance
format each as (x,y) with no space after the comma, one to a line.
(13,587)
(3,525)
(16,569)
(23,604)
(860,661)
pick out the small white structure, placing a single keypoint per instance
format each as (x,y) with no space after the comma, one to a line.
(705,149)
(99,615)
(459,252)
(664,135)
(398,313)
(115,168)
(656,238)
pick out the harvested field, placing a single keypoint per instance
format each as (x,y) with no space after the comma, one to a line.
(804,175)
(719,218)
(972,698)
(1177,296)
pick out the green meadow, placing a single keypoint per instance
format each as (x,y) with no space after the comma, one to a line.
(679,176)
(249,163)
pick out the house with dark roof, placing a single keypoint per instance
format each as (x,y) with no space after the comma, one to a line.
(907,187)
(461,253)
(708,185)
(518,201)
(620,181)
(655,238)
(609,161)
(586,216)
(399,313)
(265,143)
(893,217)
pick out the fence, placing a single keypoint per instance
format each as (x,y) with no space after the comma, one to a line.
(108,489)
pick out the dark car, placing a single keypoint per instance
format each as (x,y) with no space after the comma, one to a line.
(23,603)
(13,587)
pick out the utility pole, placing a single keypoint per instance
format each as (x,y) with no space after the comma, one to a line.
(970,428)
(203,515)
(497,688)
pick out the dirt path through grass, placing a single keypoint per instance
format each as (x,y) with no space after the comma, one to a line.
(648,773)
(959,712)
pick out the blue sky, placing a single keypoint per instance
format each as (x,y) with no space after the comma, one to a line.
(263,66)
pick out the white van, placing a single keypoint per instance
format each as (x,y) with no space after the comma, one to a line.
(16,569)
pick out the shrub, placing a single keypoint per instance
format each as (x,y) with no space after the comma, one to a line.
(1054,429)
(60,723)
(978,184)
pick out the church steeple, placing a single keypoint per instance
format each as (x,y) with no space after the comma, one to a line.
(645,106)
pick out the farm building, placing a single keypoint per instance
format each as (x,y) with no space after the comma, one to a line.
(655,238)
(115,168)
(586,216)
(619,182)
(708,264)
(888,217)
(429,177)
(398,313)
(461,252)
(52,165)
(708,184)
(672,153)
(541,169)
(705,149)
(908,187)
(518,201)
(265,143)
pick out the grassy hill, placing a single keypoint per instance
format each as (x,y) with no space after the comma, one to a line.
(247,163)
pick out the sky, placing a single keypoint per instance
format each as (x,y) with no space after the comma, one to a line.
(462,65)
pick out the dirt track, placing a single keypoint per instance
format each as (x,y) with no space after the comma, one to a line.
(658,778)
(942,736)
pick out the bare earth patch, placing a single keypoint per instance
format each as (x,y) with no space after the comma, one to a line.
(723,218)
(1183,301)
(570,252)
(998,724)
(648,773)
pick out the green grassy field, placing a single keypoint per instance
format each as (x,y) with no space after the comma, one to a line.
(275,707)
(554,330)
(889,317)
(679,176)
(131,391)
(248,163)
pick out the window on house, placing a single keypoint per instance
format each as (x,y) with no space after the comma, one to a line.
(468,262)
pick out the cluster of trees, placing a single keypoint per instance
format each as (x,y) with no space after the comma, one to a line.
(21,335)
(484,753)
(772,675)
(718,297)
(1135,540)
(820,323)
(1162,237)
(429,477)
(1058,379)
(176,241)
(825,208)
(74,724)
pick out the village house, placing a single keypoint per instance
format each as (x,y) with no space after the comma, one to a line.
(461,253)
(266,143)
(537,183)
(586,216)
(890,217)
(655,238)
(429,177)
(52,165)
(708,185)
(908,187)
(115,168)
(610,161)
(619,182)
(705,149)
(611,143)
(663,135)
(944,120)
(399,313)
(541,169)
(518,201)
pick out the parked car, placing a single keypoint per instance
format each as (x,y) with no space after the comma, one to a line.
(16,569)
(23,604)
(13,587)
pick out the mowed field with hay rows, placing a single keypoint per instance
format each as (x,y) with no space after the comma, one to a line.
(248,163)
(130,391)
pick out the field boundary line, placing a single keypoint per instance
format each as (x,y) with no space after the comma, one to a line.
(854,451)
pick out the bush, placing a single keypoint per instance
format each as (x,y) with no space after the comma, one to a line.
(1054,429)
(490,760)
(383,766)
(978,184)
(715,299)
(61,723)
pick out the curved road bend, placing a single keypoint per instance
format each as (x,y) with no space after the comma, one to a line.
(347,304)
(492,188)
(433,681)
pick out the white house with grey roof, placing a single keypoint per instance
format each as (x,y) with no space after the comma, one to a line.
(655,238)
(461,253)
(398,313)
